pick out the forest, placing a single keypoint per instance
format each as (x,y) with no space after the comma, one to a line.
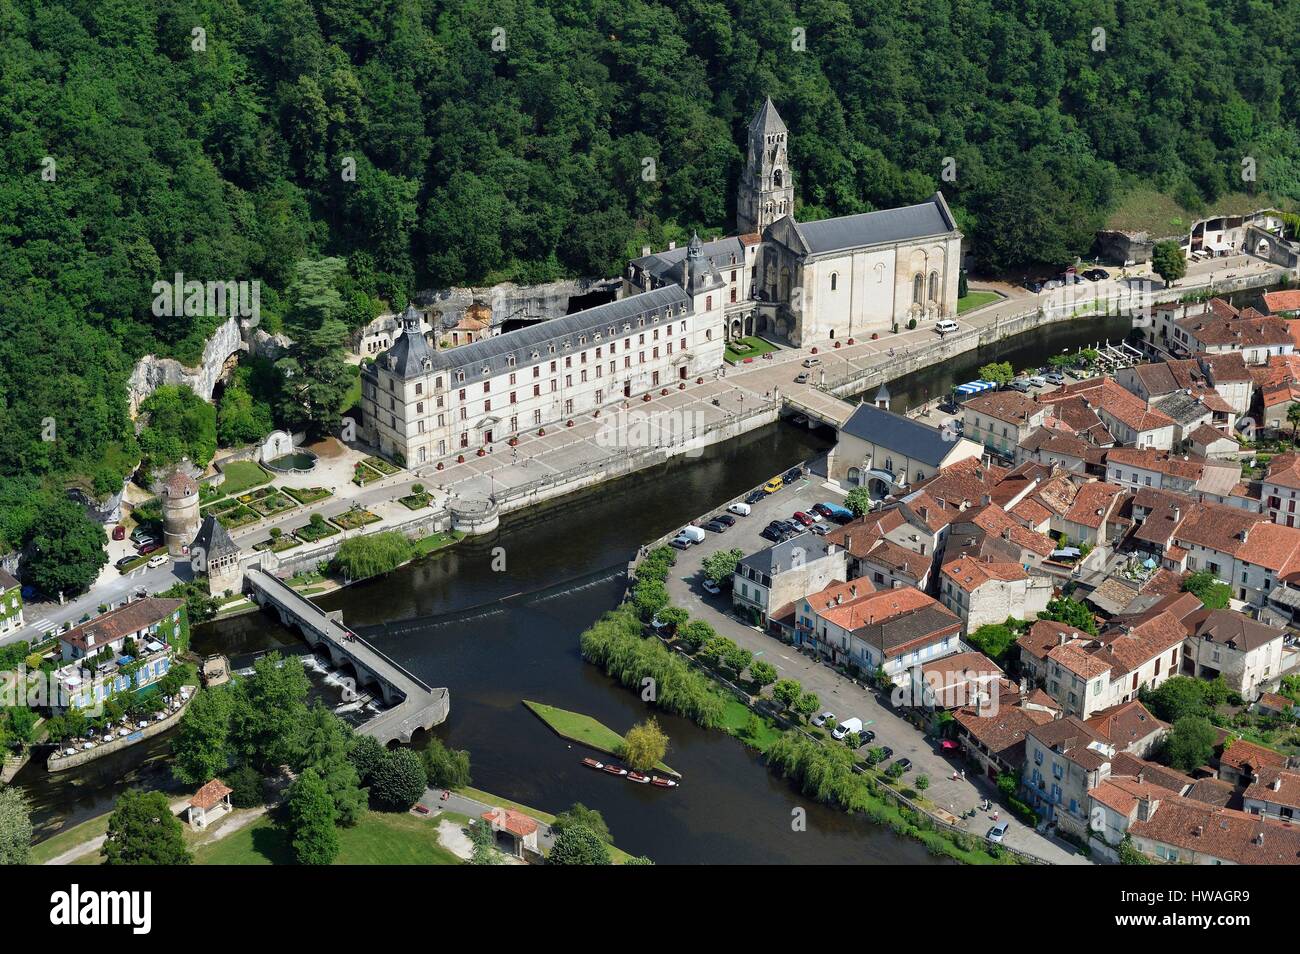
(415,144)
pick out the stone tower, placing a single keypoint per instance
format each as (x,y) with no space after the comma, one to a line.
(180,502)
(218,556)
(766,190)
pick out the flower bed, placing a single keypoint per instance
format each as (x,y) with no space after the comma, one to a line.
(276,546)
(312,532)
(381,465)
(239,516)
(353,519)
(274,503)
(415,501)
(362,475)
(306,495)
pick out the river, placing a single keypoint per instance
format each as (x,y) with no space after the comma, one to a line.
(499,618)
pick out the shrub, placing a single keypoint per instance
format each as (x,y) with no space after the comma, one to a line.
(398,781)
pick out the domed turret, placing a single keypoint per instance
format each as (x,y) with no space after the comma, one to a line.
(180,500)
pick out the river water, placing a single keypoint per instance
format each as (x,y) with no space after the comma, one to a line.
(496,620)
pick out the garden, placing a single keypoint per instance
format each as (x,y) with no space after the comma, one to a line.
(355,518)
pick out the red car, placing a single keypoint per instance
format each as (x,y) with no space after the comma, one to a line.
(119,532)
(149,548)
(803,518)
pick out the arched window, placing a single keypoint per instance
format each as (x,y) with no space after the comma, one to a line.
(776,178)
(934,286)
(835,279)
(918,288)
(880,273)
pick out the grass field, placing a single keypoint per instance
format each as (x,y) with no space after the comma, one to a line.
(583,729)
(976,299)
(735,720)
(379,838)
(70,838)
(434,542)
(757,346)
(240,476)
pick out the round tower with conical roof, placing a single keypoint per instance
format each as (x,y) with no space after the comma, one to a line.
(180,503)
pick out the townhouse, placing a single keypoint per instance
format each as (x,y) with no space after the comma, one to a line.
(767,583)
(1246,653)
(1095,516)
(1274,793)
(1000,420)
(1243,549)
(1131,468)
(122,650)
(982,592)
(1256,337)
(1126,418)
(1226,374)
(888,453)
(1279,489)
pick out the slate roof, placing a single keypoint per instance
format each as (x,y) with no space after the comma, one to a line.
(214,539)
(898,433)
(531,345)
(810,545)
(926,219)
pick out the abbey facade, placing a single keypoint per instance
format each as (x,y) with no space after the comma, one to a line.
(797,283)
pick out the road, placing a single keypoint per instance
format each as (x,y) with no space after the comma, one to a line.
(837,693)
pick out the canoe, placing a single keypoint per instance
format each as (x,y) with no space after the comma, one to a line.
(592,763)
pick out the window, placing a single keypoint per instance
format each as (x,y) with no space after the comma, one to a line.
(934,286)
(835,279)
(918,288)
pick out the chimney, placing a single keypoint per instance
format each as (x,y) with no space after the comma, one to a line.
(645,250)
(1178,512)
(1277,784)
(1200,830)
(671,246)
(1259,838)
(988,499)
(1061,637)
(853,591)
(1144,808)
(839,598)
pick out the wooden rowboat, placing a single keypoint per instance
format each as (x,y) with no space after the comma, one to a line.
(592,763)
(662,782)
(615,770)
(637,777)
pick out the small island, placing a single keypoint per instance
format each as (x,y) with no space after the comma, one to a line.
(585,730)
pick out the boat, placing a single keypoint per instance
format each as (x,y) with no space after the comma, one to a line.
(662,782)
(637,777)
(592,763)
(615,770)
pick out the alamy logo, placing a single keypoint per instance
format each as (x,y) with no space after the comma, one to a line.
(235,299)
(76,907)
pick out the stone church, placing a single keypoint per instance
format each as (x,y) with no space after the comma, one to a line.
(831,279)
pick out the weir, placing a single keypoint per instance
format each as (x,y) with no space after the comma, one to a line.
(413,704)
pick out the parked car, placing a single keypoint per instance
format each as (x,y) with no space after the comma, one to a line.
(725,518)
(694,534)
(145,540)
(148,548)
(801,377)
(803,518)
(773,485)
(119,532)
(998,832)
(822,509)
(887,753)
(845,727)
(793,474)
(1034,285)
(946,326)
(811,362)
(1022,385)
(756,496)
(820,529)
(716,526)
(772,533)
(680,542)
(710,587)
(866,737)
(1096,274)
(1037,380)
(823,718)
(157,560)
(121,564)
(1055,377)
(741,509)
(905,764)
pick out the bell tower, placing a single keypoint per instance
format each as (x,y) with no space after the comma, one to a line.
(766,190)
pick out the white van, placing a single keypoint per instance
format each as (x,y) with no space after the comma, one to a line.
(945,326)
(694,534)
(845,727)
(741,509)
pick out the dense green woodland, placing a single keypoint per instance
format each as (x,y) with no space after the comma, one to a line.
(475,165)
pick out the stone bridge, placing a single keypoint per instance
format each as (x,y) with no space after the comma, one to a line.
(413,704)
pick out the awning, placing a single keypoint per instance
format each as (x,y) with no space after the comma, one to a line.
(974,387)
(1218,246)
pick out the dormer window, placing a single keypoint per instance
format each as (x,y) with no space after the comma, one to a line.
(460,377)
(510,360)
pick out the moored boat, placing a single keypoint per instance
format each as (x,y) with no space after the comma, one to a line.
(637,777)
(615,770)
(592,763)
(662,782)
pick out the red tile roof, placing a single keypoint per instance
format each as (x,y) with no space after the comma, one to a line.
(210,794)
(970,574)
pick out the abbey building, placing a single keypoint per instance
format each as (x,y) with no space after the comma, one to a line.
(789,281)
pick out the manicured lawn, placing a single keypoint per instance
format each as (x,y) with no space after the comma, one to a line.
(434,542)
(312,532)
(976,299)
(415,501)
(70,838)
(352,519)
(305,495)
(240,476)
(757,346)
(379,838)
(583,729)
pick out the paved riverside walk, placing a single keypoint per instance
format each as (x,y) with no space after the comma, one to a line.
(414,704)
(837,693)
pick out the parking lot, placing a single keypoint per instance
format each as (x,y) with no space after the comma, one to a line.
(838,694)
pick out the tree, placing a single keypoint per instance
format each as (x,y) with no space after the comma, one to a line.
(578,845)
(994,640)
(314,837)
(999,372)
(858,500)
(1190,743)
(737,659)
(315,377)
(580,815)
(65,550)
(15,827)
(178,424)
(644,745)
(444,767)
(673,617)
(143,831)
(1065,610)
(484,842)
(762,673)
(365,754)
(1168,261)
(326,741)
(720,564)
(787,692)
(372,554)
(807,705)
(922,782)
(246,787)
(697,633)
(1293,416)
(398,781)
(1207,588)
(201,749)
(1182,696)
(270,712)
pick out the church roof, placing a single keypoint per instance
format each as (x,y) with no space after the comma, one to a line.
(767,119)
(214,539)
(925,219)
(898,433)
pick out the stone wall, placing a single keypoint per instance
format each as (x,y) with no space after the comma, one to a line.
(508,300)
(61,763)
